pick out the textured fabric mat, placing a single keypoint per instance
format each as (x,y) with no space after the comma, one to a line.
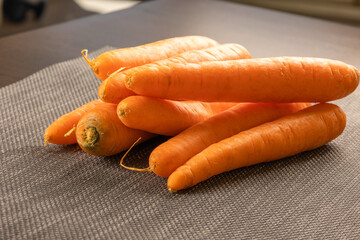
(59,192)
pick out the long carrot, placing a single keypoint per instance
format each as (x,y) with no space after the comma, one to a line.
(108,62)
(100,132)
(56,132)
(302,131)
(165,117)
(113,88)
(280,79)
(170,155)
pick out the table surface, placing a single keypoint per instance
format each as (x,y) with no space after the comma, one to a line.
(263,32)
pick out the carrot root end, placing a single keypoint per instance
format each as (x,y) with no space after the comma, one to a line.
(90,137)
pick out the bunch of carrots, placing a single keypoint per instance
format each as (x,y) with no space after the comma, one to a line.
(224,109)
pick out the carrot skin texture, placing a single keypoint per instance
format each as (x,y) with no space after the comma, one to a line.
(101,133)
(110,61)
(113,89)
(165,117)
(168,156)
(302,131)
(55,132)
(279,79)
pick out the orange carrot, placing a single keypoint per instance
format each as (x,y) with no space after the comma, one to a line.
(170,155)
(55,133)
(281,79)
(302,131)
(113,88)
(101,133)
(108,62)
(165,117)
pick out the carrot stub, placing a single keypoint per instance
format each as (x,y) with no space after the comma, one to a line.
(280,79)
(165,117)
(100,132)
(110,61)
(113,88)
(302,131)
(61,131)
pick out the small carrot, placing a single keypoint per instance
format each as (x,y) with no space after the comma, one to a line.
(280,79)
(170,155)
(165,117)
(110,61)
(302,131)
(113,88)
(61,132)
(101,133)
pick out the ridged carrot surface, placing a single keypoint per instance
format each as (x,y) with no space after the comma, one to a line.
(170,155)
(280,79)
(110,61)
(302,131)
(113,88)
(165,117)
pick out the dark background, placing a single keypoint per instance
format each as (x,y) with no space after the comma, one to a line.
(57,11)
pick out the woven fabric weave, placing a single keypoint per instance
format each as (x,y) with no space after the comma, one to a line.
(58,192)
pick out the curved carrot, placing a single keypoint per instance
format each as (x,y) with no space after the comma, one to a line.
(165,117)
(170,155)
(280,79)
(110,61)
(55,133)
(302,131)
(101,133)
(113,88)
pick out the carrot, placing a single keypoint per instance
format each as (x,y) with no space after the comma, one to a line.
(55,133)
(101,133)
(110,61)
(113,88)
(170,155)
(302,131)
(165,117)
(280,79)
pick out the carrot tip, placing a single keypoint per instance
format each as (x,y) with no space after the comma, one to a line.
(171,190)
(46,139)
(148,169)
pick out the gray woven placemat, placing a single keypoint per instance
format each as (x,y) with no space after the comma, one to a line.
(63,193)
